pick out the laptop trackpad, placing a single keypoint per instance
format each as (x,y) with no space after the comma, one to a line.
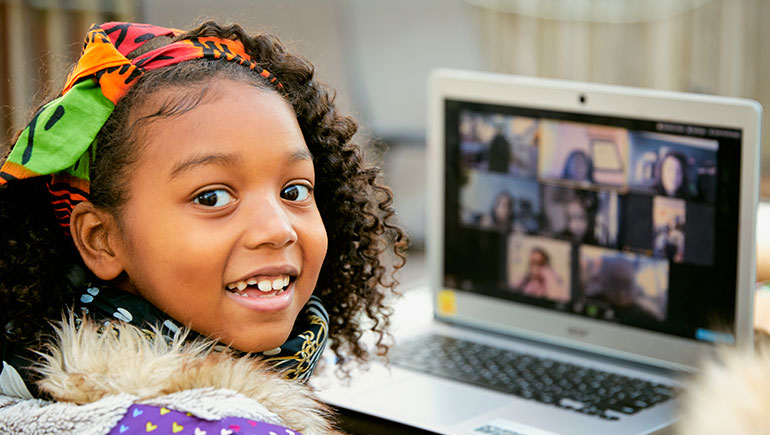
(431,401)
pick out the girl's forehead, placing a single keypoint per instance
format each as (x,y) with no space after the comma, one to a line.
(209,109)
(177,99)
(169,101)
(229,118)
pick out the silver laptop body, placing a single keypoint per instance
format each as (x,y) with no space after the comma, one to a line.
(615,230)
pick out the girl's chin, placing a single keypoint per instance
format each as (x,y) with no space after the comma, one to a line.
(263,342)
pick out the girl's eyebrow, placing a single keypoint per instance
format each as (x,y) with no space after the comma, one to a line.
(300,155)
(202,160)
(226,160)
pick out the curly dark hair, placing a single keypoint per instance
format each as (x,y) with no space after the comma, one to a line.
(355,206)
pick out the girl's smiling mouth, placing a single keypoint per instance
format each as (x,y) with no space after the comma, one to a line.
(265,290)
(267,286)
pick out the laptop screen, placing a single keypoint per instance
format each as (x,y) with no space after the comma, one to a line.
(621,220)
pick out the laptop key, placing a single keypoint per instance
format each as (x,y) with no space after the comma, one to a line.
(569,386)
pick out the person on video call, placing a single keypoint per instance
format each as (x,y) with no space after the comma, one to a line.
(578,167)
(579,218)
(541,281)
(500,217)
(660,242)
(527,220)
(616,285)
(499,154)
(672,175)
(669,242)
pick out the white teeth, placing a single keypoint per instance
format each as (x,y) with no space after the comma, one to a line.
(264,285)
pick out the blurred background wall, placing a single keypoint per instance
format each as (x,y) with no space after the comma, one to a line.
(377,54)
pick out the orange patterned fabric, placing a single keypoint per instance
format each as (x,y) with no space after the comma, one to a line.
(104,62)
(104,56)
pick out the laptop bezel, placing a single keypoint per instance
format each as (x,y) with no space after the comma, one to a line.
(558,95)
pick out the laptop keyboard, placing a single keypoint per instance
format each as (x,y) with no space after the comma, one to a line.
(581,389)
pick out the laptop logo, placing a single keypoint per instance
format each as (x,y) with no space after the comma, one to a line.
(577,332)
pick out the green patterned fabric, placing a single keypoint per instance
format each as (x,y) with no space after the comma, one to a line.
(53,142)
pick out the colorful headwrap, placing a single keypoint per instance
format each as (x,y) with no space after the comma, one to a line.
(59,141)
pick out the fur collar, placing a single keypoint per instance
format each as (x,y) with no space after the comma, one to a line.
(731,395)
(83,366)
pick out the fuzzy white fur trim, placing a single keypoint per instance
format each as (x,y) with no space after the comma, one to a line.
(84,366)
(38,417)
(730,396)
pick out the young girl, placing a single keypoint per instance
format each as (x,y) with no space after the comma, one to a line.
(199,180)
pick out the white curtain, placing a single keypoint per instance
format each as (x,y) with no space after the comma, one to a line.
(709,46)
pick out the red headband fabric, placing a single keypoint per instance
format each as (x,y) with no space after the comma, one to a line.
(106,48)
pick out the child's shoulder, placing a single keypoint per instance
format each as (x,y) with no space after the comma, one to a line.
(108,373)
(731,394)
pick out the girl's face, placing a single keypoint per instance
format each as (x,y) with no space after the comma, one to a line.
(537,265)
(578,168)
(503,205)
(221,230)
(671,174)
(577,221)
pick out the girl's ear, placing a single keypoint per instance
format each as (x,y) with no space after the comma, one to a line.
(96,236)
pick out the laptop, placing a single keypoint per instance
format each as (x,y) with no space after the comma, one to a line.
(582,239)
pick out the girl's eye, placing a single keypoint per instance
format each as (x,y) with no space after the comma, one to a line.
(214,198)
(296,192)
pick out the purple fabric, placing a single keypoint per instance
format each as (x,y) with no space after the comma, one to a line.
(144,419)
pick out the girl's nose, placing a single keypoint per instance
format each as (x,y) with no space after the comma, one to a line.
(270,224)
